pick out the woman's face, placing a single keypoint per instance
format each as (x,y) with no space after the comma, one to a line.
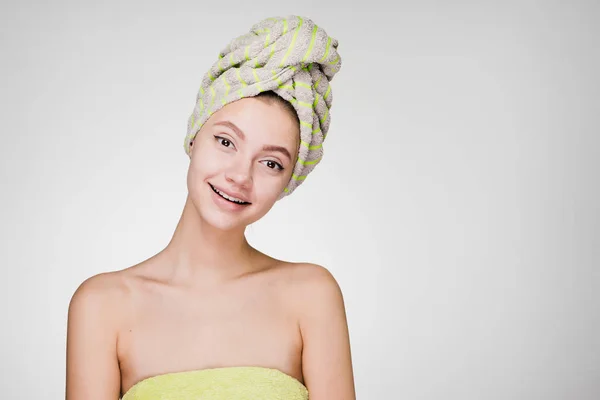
(245,151)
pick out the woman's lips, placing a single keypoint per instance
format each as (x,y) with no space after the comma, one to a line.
(224,203)
(234,197)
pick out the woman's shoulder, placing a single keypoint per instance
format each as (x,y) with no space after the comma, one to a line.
(95,310)
(112,286)
(315,298)
(310,280)
(106,293)
(101,293)
(306,272)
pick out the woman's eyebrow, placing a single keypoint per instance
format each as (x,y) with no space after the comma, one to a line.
(280,149)
(233,127)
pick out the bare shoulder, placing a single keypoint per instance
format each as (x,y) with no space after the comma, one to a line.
(326,356)
(309,276)
(315,286)
(105,285)
(101,293)
(94,316)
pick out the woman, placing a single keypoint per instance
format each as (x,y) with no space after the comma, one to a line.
(210,317)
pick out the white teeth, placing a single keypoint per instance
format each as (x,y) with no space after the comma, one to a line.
(229,197)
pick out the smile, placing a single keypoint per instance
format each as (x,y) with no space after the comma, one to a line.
(227,197)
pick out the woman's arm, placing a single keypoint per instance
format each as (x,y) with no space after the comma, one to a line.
(326,358)
(92,364)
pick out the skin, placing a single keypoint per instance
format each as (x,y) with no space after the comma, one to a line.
(209,299)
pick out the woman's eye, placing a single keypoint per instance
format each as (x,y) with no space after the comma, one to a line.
(223,141)
(274,165)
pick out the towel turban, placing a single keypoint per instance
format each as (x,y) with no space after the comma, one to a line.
(290,56)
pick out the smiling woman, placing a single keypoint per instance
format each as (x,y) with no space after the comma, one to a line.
(242,152)
(210,317)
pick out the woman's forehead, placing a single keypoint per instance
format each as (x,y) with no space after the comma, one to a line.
(256,119)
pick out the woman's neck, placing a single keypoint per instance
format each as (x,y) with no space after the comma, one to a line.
(200,253)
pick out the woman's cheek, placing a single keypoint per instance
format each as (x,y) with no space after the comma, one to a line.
(207,159)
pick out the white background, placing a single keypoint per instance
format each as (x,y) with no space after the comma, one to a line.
(458,203)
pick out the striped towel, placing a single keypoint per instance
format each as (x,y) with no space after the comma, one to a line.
(292,57)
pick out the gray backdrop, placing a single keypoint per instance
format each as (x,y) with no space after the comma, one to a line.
(457,203)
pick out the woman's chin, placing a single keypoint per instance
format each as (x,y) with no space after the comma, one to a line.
(221,220)
(228,221)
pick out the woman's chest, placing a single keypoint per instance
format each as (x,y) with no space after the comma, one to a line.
(169,333)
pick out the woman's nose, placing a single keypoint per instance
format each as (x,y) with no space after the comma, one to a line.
(240,174)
